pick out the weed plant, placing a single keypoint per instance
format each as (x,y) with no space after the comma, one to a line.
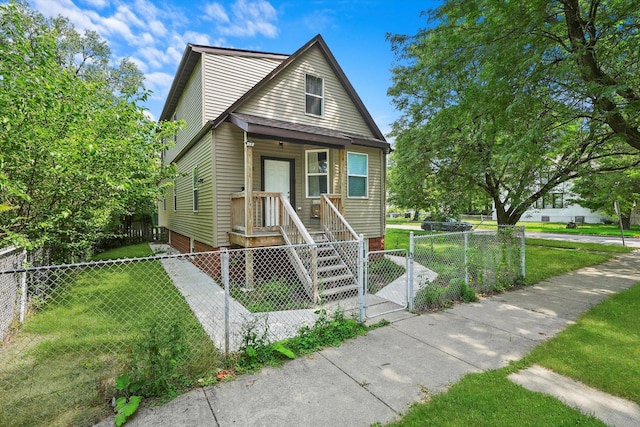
(272,295)
(256,351)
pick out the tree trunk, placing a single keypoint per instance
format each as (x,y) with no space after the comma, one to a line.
(626,222)
(504,217)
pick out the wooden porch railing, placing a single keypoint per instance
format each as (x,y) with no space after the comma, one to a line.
(273,212)
(268,213)
(336,228)
(333,223)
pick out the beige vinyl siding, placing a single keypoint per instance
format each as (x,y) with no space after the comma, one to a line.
(189,108)
(366,216)
(228,77)
(229,175)
(284,98)
(197,225)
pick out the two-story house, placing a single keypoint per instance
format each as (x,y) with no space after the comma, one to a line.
(278,149)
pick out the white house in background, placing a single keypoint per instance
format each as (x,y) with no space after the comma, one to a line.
(554,207)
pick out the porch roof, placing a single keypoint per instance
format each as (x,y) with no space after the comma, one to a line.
(301,133)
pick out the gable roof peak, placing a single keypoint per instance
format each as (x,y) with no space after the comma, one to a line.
(333,63)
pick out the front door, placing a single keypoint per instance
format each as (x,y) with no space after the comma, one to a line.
(276,179)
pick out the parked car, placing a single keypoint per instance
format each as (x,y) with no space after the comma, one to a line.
(449,225)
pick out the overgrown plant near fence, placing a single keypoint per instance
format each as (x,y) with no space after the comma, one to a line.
(456,266)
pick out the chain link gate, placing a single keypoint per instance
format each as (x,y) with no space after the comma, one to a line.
(386,282)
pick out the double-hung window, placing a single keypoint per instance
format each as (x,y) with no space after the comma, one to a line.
(196,184)
(317,172)
(357,175)
(314,94)
(175,195)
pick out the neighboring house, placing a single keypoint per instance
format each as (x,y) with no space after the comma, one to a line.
(555,207)
(278,149)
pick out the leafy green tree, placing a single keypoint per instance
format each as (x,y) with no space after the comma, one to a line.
(515,98)
(77,148)
(599,192)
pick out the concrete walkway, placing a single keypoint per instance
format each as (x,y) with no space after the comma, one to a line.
(376,377)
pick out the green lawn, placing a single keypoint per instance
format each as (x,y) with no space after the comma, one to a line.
(546,227)
(544,258)
(82,332)
(602,350)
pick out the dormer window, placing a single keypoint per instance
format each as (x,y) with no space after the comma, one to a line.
(314,93)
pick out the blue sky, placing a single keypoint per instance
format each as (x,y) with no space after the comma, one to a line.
(154,33)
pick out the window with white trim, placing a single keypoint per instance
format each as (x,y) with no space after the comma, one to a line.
(175,133)
(175,195)
(196,188)
(317,172)
(357,175)
(314,95)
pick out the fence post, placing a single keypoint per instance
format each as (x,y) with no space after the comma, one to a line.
(466,257)
(410,272)
(361,278)
(23,288)
(522,254)
(225,279)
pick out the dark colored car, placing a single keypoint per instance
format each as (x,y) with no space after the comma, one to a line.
(451,225)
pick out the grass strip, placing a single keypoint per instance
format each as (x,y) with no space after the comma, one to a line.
(602,349)
(490,399)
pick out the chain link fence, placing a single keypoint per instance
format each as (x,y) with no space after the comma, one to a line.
(69,330)
(386,282)
(456,266)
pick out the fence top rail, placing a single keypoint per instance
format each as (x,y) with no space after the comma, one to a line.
(95,263)
(8,250)
(160,257)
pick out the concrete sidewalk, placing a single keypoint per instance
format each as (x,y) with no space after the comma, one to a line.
(376,377)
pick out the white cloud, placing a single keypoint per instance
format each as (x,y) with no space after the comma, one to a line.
(196,38)
(98,4)
(159,83)
(157,28)
(115,27)
(216,12)
(152,56)
(81,19)
(173,55)
(251,18)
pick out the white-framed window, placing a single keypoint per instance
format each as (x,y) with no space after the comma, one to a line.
(175,133)
(317,172)
(175,195)
(357,175)
(196,185)
(164,203)
(314,95)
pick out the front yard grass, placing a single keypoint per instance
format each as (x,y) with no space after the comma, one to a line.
(544,258)
(602,350)
(58,368)
(544,227)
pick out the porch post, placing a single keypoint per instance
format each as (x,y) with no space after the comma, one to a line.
(343,179)
(248,205)
(248,185)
